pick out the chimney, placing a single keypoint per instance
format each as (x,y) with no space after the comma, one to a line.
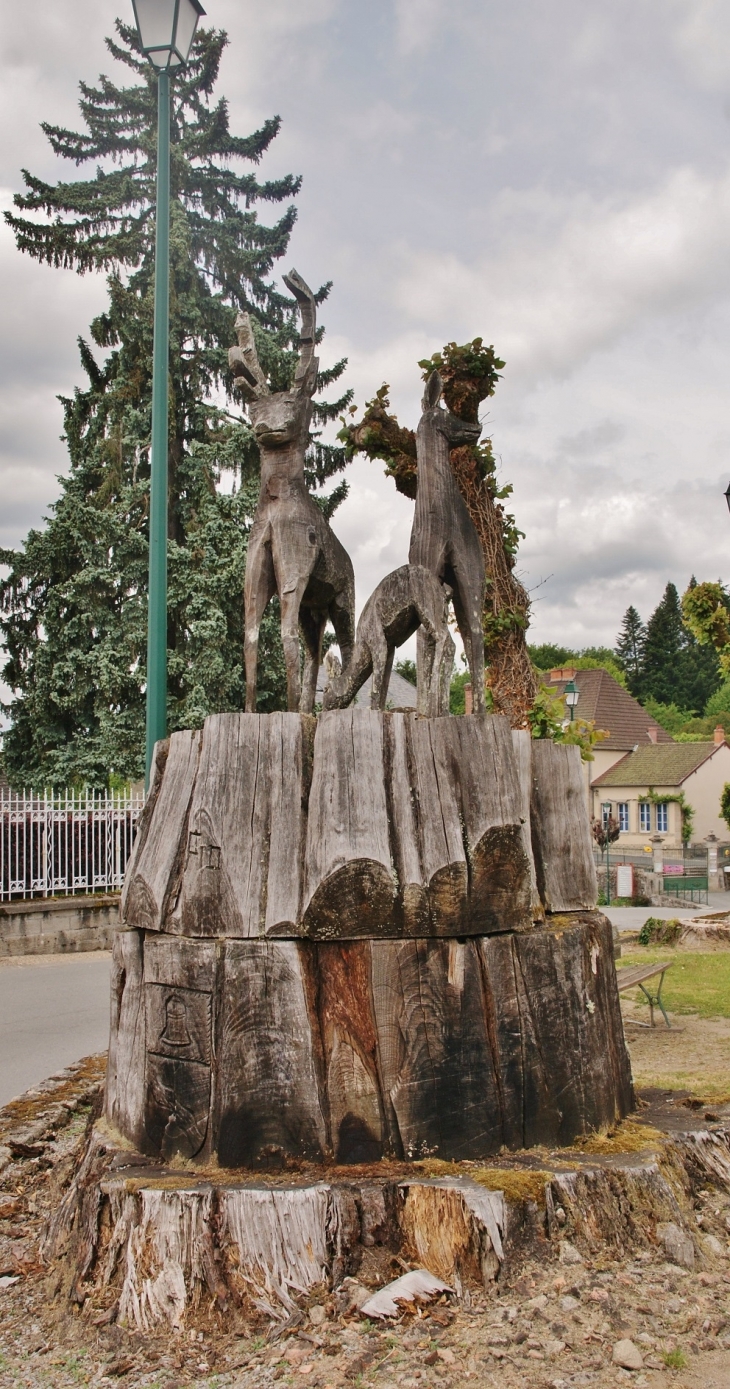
(653,732)
(468,700)
(566,673)
(719,735)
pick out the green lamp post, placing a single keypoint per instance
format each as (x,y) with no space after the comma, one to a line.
(571,697)
(166,32)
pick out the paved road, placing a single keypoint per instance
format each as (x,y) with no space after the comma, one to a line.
(633,918)
(54,1009)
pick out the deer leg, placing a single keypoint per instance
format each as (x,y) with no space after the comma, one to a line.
(473,639)
(342,618)
(445,652)
(259,589)
(382,658)
(312,625)
(290,605)
(425,652)
(342,690)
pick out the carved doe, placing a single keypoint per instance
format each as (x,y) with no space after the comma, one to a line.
(292,550)
(409,598)
(443,537)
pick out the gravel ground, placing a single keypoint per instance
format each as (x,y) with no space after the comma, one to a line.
(552,1325)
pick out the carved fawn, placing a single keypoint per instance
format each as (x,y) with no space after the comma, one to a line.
(292,550)
(409,598)
(443,537)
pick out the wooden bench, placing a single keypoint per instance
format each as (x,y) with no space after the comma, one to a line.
(638,975)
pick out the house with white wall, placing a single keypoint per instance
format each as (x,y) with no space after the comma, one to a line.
(641,792)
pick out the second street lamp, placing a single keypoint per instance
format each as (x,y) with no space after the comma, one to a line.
(166,31)
(571,697)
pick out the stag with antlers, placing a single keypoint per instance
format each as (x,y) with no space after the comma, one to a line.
(292,550)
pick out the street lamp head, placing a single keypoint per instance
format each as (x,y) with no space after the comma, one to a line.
(166,30)
(571,696)
(727,495)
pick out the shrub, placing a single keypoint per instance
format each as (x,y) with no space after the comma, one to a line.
(658,932)
(674,1359)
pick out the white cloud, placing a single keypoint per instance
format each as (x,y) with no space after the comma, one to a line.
(418,23)
(702,38)
(552,296)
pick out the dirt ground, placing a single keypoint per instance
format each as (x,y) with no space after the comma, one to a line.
(694,1056)
(546,1325)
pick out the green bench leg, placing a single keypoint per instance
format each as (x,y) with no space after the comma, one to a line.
(655,1001)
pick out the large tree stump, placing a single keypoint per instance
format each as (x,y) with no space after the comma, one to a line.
(256,1051)
(339,946)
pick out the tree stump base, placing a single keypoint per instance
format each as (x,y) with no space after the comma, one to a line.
(145,1245)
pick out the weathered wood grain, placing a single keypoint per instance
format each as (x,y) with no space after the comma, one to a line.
(180,986)
(153,873)
(484,768)
(358,1124)
(561,838)
(124,1097)
(522,747)
(443,853)
(255,1052)
(558,1029)
(269,1104)
(242,872)
(379,824)
(434,1047)
(350,887)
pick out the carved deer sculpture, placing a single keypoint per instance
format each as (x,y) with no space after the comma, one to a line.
(443,537)
(409,598)
(292,550)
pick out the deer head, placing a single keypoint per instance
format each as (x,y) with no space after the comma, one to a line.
(282,418)
(455,430)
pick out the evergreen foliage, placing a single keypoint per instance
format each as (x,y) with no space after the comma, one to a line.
(675,669)
(630,649)
(73,608)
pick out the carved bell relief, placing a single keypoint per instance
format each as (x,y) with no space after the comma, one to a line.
(175,1032)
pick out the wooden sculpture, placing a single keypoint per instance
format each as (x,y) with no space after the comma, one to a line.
(409,598)
(292,550)
(443,537)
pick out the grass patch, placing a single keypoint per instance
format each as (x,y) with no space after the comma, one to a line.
(698,982)
(675,1359)
(518,1184)
(626,1137)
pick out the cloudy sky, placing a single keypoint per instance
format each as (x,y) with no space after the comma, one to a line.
(553,178)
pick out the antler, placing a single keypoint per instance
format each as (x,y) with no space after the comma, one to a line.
(305,378)
(243,361)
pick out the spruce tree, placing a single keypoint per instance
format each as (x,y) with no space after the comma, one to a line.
(630,648)
(675,669)
(74,604)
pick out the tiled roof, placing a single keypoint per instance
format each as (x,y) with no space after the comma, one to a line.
(667,764)
(612,708)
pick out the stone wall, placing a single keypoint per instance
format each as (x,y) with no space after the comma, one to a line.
(58,925)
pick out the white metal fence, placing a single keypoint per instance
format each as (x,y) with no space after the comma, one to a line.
(56,844)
